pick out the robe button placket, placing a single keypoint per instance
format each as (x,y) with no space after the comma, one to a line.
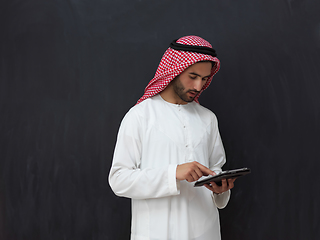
(184,126)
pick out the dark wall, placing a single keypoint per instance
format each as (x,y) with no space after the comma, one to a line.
(70,70)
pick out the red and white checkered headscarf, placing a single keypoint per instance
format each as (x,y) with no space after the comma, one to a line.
(174,62)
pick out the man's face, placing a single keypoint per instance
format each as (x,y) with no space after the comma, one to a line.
(189,83)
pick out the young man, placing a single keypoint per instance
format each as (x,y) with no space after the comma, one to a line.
(166,143)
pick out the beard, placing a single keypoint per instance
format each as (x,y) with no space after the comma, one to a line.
(179,89)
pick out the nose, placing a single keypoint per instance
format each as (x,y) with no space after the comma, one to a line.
(198,84)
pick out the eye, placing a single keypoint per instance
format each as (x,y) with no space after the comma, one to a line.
(192,76)
(204,79)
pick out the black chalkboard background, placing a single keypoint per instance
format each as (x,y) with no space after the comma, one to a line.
(71,69)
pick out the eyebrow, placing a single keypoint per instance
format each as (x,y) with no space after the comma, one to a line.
(193,73)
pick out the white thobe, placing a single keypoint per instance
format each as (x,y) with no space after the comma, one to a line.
(154,137)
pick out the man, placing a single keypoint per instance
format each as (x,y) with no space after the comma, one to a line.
(166,143)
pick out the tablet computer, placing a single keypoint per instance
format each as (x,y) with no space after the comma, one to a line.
(235,173)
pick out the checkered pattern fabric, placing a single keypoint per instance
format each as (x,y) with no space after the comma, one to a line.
(174,62)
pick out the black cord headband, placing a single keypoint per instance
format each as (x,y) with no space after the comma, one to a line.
(191,48)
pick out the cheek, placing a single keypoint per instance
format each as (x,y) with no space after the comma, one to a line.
(190,84)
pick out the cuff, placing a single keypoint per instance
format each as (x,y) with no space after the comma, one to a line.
(221,200)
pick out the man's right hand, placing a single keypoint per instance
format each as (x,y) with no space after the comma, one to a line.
(192,171)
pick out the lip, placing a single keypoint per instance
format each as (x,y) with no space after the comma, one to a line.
(192,94)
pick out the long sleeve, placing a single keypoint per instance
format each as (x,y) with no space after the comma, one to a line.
(218,159)
(126,178)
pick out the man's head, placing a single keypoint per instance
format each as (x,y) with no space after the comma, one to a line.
(180,56)
(188,85)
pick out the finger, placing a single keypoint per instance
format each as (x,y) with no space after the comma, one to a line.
(194,175)
(208,186)
(230,183)
(198,172)
(234,179)
(189,178)
(215,187)
(206,171)
(224,186)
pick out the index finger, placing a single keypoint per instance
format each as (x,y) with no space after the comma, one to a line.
(205,170)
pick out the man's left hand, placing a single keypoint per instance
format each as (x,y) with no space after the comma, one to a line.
(226,185)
